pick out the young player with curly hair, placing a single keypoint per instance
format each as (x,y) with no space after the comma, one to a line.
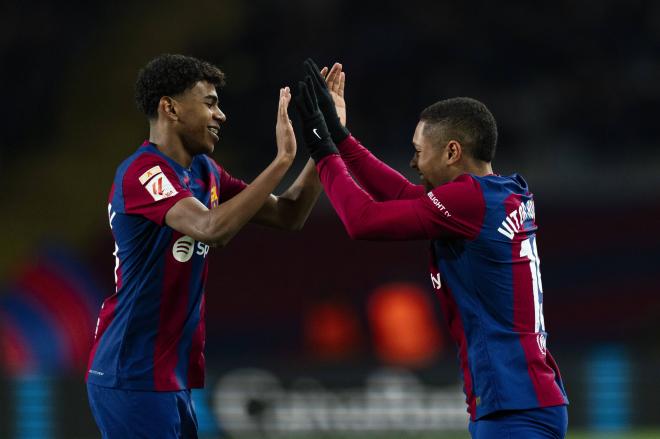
(168,204)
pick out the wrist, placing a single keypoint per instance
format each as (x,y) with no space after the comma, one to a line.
(322,149)
(284,158)
(339,133)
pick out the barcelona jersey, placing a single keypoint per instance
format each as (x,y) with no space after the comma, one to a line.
(485,269)
(150,333)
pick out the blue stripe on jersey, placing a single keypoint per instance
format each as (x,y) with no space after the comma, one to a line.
(118,196)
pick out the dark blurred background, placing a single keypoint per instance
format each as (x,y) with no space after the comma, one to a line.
(313,316)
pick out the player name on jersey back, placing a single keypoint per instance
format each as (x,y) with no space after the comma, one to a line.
(513,222)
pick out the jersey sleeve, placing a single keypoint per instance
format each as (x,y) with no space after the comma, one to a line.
(452,210)
(151,187)
(229,185)
(378,179)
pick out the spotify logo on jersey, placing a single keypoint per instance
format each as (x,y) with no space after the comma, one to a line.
(183,249)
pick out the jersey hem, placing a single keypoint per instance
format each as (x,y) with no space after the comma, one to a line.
(144,385)
(484,413)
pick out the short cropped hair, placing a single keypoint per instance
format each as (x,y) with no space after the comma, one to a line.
(170,75)
(465,120)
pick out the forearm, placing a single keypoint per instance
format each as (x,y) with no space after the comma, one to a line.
(363,217)
(299,199)
(377,178)
(228,218)
(290,210)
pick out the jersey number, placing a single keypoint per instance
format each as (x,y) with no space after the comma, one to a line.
(528,249)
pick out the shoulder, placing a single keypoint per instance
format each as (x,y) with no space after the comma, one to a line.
(457,208)
(144,158)
(469,181)
(150,170)
(463,185)
(461,195)
(139,166)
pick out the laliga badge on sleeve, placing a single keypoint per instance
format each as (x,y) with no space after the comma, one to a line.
(157,184)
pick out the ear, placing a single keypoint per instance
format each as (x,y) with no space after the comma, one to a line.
(454,152)
(168,108)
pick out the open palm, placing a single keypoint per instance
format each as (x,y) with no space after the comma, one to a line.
(336,79)
(286,140)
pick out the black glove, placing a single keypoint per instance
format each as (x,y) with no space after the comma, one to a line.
(315,132)
(338,132)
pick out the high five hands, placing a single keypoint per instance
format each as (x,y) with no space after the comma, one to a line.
(320,100)
(338,131)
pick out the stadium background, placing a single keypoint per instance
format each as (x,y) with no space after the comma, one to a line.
(310,333)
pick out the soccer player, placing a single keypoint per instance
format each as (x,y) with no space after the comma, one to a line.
(484,258)
(169,203)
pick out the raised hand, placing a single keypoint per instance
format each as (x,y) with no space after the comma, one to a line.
(326,103)
(335,80)
(286,140)
(314,129)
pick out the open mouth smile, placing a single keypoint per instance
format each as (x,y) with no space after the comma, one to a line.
(215,131)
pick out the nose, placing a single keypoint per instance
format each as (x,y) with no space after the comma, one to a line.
(413,161)
(219,115)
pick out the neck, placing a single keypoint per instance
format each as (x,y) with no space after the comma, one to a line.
(476,167)
(479,168)
(169,144)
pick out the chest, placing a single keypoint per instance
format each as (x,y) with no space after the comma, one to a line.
(203,184)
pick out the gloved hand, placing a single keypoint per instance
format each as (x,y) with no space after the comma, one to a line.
(338,132)
(315,132)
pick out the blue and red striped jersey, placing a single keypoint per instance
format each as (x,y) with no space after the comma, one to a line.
(490,288)
(485,269)
(150,333)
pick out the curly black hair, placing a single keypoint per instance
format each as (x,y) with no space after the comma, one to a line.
(169,75)
(466,120)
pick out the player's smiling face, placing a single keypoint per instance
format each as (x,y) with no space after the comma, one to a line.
(199,118)
(430,159)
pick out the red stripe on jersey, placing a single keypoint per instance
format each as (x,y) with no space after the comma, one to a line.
(106,315)
(173,307)
(457,332)
(540,372)
(553,364)
(229,185)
